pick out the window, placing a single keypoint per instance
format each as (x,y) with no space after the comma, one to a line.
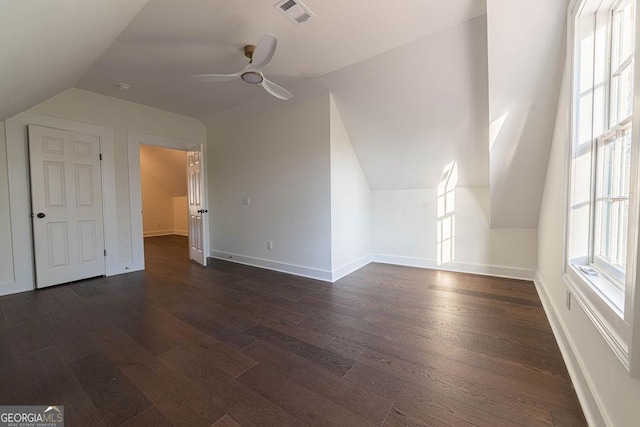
(612,204)
(601,247)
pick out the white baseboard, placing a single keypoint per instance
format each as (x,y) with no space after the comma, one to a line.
(157,233)
(296,270)
(459,267)
(579,378)
(349,268)
(9,288)
(124,268)
(340,272)
(166,233)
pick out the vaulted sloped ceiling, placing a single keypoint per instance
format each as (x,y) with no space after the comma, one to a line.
(526,58)
(418,83)
(170,40)
(167,168)
(47,46)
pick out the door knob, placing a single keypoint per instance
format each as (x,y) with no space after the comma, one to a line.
(41,215)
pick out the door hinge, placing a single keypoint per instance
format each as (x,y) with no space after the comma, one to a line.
(100,156)
(105,252)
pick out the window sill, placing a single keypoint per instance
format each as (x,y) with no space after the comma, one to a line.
(596,296)
(611,293)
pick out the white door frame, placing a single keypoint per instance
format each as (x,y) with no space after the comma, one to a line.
(134,139)
(20,195)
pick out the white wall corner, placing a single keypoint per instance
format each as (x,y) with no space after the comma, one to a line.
(579,377)
(345,270)
(457,267)
(351,202)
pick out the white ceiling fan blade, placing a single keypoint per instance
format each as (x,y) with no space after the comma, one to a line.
(265,49)
(276,90)
(216,77)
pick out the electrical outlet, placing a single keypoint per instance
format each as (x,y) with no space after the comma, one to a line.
(158,223)
(270,245)
(246,200)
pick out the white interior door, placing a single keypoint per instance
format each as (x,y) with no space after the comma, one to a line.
(197,210)
(66,195)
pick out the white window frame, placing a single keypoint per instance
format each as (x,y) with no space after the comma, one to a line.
(614,273)
(600,296)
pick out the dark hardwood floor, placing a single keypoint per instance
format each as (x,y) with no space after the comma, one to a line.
(231,345)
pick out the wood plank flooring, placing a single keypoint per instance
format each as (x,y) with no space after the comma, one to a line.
(230,345)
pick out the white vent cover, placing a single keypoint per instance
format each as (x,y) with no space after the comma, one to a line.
(295,11)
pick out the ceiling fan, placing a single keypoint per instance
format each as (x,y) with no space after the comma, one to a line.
(259,56)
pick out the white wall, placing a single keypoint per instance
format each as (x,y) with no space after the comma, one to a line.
(78,106)
(310,196)
(422,103)
(6,254)
(603,384)
(157,207)
(280,160)
(181,216)
(404,232)
(350,203)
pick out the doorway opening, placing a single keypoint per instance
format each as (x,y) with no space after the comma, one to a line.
(196,181)
(165,204)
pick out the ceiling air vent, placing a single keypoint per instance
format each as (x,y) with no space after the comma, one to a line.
(295,11)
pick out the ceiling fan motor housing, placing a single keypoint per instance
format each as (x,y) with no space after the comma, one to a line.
(248,50)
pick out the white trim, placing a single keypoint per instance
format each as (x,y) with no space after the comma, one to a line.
(20,195)
(632,293)
(338,273)
(582,383)
(8,288)
(459,267)
(345,270)
(135,204)
(134,139)
(8,258)
(184,233)
(19,203)
(296,270)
